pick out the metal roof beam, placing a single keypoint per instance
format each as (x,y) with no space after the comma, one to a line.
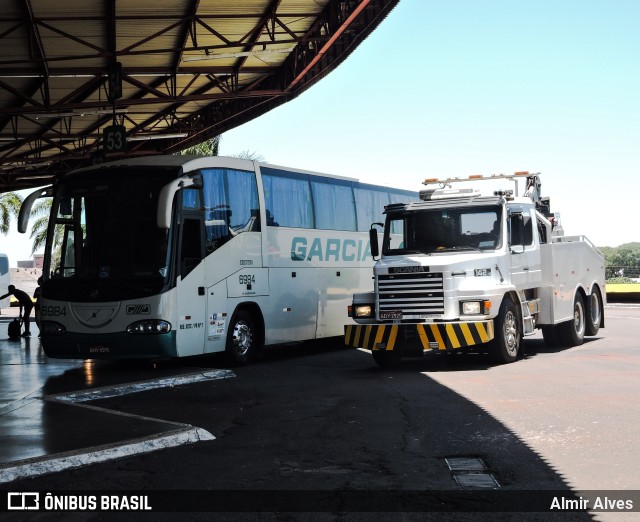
(79,72)
(164,50)
(188,29)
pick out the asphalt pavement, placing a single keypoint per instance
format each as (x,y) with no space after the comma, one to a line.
(314,427)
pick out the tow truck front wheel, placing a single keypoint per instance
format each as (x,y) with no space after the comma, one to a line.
(506,344)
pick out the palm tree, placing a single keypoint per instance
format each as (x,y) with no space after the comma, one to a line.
(9,206)
(40,212)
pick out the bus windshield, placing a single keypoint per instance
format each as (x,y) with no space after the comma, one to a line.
(103,241)
(443,230)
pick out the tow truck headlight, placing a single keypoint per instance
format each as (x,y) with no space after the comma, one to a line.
(362,311)
(475,307)
(149,326)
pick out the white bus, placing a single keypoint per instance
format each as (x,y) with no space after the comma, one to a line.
(5,279)
(174,256)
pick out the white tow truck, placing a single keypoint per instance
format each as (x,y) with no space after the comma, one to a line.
(463,271)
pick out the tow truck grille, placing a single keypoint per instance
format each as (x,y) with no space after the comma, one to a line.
(412,294)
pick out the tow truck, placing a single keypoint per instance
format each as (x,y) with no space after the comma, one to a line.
(463,271)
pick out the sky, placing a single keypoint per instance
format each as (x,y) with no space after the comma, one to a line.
(463,87)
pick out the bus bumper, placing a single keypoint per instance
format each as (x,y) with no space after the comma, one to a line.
(419,337)
(110,346)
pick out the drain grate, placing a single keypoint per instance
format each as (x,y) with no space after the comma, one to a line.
(476,480)
(465,464)
(471,472)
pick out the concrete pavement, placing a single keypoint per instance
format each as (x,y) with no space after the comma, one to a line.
(46,424)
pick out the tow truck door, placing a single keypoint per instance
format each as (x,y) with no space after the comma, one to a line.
(525,263)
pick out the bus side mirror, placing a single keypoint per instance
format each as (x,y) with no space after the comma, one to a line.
(373,240)
(27,204)
(165,198)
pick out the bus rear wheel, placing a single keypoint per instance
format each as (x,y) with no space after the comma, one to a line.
(243,338)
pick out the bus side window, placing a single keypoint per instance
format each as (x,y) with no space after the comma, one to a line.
(230,205)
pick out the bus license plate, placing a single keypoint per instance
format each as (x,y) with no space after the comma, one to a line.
(391,315)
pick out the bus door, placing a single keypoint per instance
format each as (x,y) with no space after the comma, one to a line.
(190,276)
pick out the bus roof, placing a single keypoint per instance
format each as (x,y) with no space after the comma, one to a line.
(190,163)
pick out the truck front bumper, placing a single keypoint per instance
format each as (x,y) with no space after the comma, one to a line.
(419,337)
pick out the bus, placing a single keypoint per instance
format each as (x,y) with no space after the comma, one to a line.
(176,256)
(5,279)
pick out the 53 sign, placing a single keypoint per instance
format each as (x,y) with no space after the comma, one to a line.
(115,138)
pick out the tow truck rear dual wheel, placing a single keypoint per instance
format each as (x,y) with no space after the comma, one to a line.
(507,342)
(572,332)
(593,312)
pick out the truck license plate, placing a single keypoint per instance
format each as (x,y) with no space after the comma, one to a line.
(391,314)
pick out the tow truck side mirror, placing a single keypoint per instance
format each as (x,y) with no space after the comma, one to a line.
(373,240)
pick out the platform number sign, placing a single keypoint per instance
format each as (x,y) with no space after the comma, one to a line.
(115,138)
(114,85)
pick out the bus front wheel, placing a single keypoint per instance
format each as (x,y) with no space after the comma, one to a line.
(243,338)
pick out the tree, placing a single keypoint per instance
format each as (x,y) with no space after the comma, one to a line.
(253,156)
(209,147)
(622,261)
(40,213)
(9,206)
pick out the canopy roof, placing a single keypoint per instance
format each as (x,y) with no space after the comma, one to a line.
(172,72)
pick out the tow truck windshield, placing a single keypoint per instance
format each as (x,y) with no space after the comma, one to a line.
(443,230)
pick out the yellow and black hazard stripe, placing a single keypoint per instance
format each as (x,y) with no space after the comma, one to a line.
(450,336)
(431,336)
(371,336)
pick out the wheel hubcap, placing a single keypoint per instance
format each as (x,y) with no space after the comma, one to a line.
(595,309)
(578,318)
(242,338)
(511,337)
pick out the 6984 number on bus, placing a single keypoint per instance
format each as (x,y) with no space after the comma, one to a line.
(53,310)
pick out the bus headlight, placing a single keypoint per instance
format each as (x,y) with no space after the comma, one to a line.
(475,307)
(51,328)
(149,326)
